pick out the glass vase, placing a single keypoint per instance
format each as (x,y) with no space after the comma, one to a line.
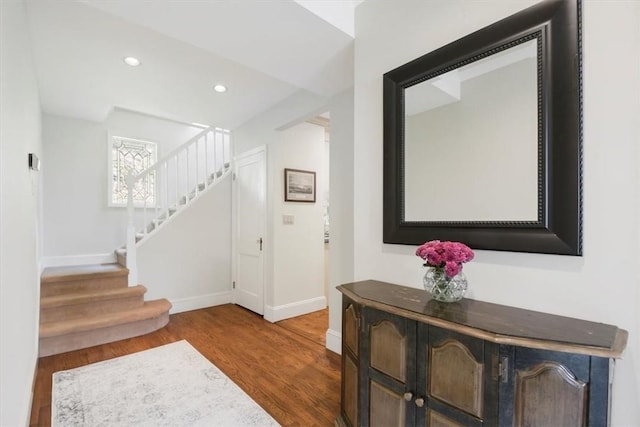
(444,288)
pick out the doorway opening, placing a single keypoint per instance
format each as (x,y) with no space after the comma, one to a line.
(324,120)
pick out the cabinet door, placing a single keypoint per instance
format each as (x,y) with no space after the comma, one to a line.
(554,388)
(388,377)
(457,378)
(351,321)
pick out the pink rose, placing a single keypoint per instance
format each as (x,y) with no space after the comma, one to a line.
(452,268)
(449,255)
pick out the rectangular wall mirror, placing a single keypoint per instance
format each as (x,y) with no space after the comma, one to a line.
(482,137)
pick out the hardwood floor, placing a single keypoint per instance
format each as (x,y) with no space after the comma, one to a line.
(313,325)
(292,376)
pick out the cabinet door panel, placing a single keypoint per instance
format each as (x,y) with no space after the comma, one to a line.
(548,393)
(388,360)
(386,407)
(551,388)
(456,370)
(389,350)
(351,330)
(456,376)
(350,390)
(351,371)
(436,419)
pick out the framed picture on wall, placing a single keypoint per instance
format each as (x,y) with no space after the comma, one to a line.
(299,186)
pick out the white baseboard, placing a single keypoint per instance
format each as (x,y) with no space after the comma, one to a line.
(59,261)
(286,311)
(334,341)
(202,301)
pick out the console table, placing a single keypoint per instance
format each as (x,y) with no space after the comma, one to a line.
(409,360)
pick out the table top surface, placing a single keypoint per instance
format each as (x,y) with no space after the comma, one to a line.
(494,322)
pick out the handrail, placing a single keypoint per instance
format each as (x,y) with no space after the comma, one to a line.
(178,150)
(173,182)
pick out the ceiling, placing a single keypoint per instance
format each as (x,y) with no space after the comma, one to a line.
(263,51)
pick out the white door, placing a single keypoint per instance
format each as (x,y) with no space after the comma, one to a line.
(249,190)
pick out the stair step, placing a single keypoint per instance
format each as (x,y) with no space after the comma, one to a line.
(150,309)
(163,216)
(157,222)
(77,272)
(121,256)
(89,303)
(56,280)
(63,336)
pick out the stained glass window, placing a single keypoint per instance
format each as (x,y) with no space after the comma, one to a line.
(132,154)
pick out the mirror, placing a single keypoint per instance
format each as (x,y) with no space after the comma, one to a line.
(496,99)
(482,138)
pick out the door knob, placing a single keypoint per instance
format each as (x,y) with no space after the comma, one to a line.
(420,402)
(408,396)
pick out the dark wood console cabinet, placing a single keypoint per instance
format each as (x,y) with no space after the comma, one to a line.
(409,360)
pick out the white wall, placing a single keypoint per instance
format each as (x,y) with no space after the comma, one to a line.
(602,285)
(189,260)
(77,219)
(263,129)
(298,248)
(167,133)
(19,216)
(294,278)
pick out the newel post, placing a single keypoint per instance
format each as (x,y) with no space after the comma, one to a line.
(131,233)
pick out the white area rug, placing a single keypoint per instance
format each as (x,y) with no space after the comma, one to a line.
(171,385)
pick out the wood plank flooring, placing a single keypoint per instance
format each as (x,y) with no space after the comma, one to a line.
(292,376)
(313,325)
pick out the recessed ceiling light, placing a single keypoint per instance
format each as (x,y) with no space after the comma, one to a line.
(220,88)
(130,60)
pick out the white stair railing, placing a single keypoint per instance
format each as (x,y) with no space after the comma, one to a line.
(159,192)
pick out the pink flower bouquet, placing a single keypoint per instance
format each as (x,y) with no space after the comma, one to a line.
(445,255)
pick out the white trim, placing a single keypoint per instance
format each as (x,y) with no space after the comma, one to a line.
(60,261)
(333,341)
(286,311)
(201,301)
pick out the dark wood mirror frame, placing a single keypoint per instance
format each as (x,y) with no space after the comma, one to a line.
(556,24)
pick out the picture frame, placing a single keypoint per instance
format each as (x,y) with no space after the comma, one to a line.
(299,186)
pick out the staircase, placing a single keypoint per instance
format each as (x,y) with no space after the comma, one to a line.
(176,180)
(83,306)
(167,214)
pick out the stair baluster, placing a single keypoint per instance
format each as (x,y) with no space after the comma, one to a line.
(154,185)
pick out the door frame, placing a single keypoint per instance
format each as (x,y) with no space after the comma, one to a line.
(234,235)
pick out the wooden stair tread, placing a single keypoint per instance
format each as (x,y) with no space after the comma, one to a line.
(83,297)
(81,272)
(150,309)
